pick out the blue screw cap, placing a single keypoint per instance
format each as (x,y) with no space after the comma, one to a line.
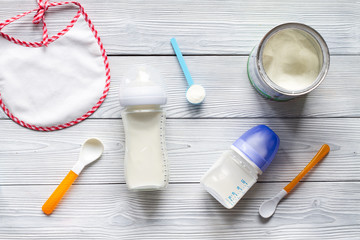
(260,144)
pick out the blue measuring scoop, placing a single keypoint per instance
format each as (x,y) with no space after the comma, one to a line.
(195,93)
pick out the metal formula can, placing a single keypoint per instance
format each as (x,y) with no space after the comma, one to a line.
(270,88)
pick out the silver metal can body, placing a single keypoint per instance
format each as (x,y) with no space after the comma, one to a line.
(264,85)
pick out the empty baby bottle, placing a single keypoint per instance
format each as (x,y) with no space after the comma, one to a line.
(237,169)
(142,94)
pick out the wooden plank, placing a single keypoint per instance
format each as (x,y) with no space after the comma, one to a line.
(183,211)
(230,95)
(201,27)
(29,157)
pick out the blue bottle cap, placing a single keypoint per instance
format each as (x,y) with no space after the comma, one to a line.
(260,144)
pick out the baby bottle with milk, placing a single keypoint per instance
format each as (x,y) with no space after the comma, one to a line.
(237,169)
(142,94)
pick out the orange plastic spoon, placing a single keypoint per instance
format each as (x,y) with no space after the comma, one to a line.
(268,207)
(91,151)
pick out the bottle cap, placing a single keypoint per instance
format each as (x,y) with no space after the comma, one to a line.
(260,144)
(142,85)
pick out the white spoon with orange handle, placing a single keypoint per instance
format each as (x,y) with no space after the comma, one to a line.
(91,151)
(267,208)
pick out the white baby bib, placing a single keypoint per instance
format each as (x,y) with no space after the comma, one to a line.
(55,83)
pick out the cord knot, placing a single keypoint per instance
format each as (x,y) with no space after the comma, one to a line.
(40,14)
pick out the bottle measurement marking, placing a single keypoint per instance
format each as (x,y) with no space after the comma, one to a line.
(238,193)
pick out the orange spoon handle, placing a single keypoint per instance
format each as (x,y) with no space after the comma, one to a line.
(324,150)
(59,192)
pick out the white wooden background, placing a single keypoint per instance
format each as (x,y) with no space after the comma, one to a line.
(216,38)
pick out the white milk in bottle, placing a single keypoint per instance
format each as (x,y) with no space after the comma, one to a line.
(145,162)
(237,170)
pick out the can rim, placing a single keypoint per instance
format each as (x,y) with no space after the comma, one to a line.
(324,50)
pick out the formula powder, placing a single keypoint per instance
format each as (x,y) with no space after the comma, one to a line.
(292,59)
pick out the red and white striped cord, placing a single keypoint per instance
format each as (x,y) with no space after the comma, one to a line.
(40,16)
(44,5)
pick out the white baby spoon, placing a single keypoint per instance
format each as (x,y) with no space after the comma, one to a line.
(267,209)
(90,151)
(195,94)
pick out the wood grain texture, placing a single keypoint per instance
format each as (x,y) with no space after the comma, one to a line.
(183,211)
(202,27)
(29,157)
(219,35)
(229,93)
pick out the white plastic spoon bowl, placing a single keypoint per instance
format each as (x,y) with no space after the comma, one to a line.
(90,151)
(267,208)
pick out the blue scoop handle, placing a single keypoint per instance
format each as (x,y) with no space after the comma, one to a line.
(182,62)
